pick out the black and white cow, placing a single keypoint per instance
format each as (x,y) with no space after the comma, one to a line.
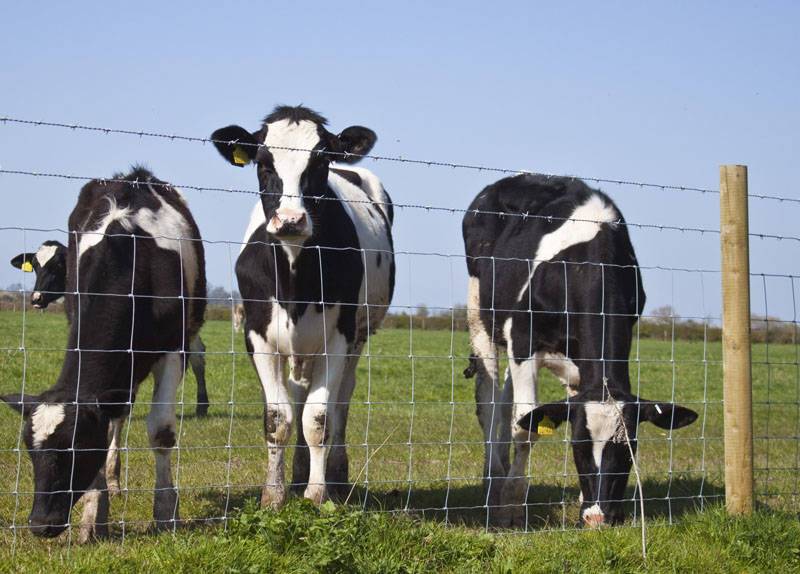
(136,260)
(556,284)
(316,274)
(49,263)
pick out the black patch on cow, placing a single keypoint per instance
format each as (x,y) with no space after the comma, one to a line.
(321,421)
(272,420)
(165,438)
(350,176)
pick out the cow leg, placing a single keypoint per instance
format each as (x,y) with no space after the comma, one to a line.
(197,360)
(161,430)
(317,414)
(112,458)
(337,475)
(524,374)
(277,417)
(504,424)
(94,519)
(487,394)
(300,383)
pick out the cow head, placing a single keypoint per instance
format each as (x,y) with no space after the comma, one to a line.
(602,458)
(50,265)
(67,444)
(289,153)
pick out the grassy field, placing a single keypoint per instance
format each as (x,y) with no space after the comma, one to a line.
(413,418)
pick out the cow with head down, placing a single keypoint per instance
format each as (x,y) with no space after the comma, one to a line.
(554,282)
(49,264)
(136,299)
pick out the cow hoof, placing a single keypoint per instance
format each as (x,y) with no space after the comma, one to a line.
(500,517)
(165,510)
(273,497)
(91,532)
(201,410)
(316,493)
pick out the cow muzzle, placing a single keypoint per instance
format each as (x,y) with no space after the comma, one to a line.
(289,224)
(48,526)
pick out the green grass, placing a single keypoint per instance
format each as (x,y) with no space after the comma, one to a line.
(301,538)
(412,399)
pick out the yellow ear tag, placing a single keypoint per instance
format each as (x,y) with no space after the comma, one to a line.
(27,267)
(546,426)
(240,156)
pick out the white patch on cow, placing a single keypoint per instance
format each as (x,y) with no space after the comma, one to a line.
(45,254)
(171,231)
(91,238)
(45,420)
(481,342)
(603,423)
(370,184)
(372,227)
(509,323)
(582,226)
(289,164)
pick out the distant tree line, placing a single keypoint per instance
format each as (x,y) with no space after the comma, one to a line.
(663,323)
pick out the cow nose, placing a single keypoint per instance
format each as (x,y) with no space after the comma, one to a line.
(288,222)
(36,296)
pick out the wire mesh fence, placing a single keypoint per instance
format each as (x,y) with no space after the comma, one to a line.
(413,442)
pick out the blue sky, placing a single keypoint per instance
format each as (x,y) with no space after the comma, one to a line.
(615,90)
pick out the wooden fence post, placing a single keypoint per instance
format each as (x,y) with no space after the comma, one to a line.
(736,366)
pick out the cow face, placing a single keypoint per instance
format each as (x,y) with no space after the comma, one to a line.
(290,155)
(50,265)
(67,444)
(599,446)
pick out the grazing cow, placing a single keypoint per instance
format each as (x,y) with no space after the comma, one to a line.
(555,283)
(316,274)
(137,264)
(49,263)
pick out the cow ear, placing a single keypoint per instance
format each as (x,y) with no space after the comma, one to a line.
(21,403)
(549,416)
(113,404)
(236,144)
(355,140)
(23,261)
(666,415)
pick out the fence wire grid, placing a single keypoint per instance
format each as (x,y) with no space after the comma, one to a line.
(413,441)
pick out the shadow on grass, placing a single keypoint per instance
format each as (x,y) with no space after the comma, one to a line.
(548,506)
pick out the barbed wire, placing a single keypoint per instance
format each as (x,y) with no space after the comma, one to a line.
(453,210)
(399,159)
